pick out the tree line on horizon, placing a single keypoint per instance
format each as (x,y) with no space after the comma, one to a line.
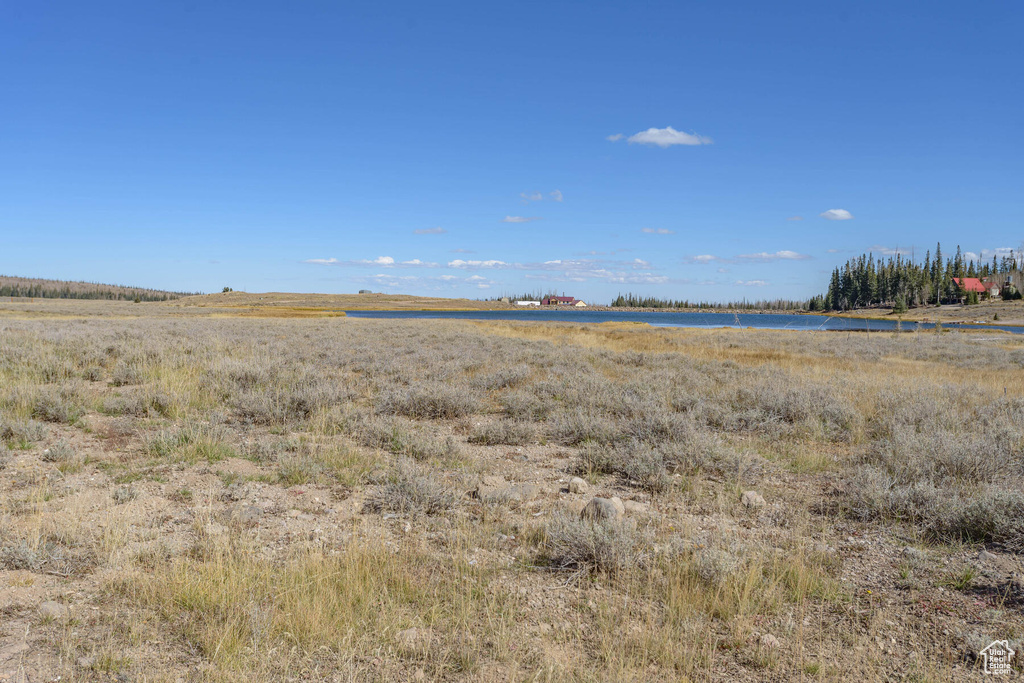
(902,283)
(866,281)
(59,289)
(631,300)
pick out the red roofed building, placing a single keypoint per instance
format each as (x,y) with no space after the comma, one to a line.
(561,301)
(986,288)
(970,284)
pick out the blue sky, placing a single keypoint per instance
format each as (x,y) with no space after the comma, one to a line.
(477,149)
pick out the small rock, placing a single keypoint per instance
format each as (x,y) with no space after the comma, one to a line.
(986,556)
(632,507)
(752,499)
(603,508)
(577,485)
(52,611)
(293,513)
(86,662)
(493,488)
(769,642)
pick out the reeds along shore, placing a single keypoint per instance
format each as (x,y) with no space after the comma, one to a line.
(206,499)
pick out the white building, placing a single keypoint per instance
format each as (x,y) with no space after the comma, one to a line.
(527,303)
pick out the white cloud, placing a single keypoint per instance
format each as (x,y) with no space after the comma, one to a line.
(784,255)
(430,231)
(751,283)
(385,261)
(637,271)
(795,218)
(658,231)
(703,258)
(662,137)
(723,270)
(459,263)
(479,281)
(451,281)
(527,197)
(836,215)
(613,277)
(519,219)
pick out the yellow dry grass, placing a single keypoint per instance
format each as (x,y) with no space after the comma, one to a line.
(734,345)
(281,312)
(328,302)
(1008,312)
(256,616)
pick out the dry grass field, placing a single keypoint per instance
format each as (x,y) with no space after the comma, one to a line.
(995,312)
(351,302)
(196,495)
(240,304)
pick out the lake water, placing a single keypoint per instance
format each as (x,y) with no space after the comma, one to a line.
(767,321)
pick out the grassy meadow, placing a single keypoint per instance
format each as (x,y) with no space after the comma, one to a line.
(221,497)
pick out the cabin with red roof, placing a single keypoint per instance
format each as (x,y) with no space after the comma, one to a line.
(561,301)
(970,284)
(986,287)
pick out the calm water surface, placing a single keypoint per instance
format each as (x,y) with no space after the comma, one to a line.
(767,321)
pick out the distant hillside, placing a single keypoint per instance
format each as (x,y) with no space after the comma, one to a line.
(59,289)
